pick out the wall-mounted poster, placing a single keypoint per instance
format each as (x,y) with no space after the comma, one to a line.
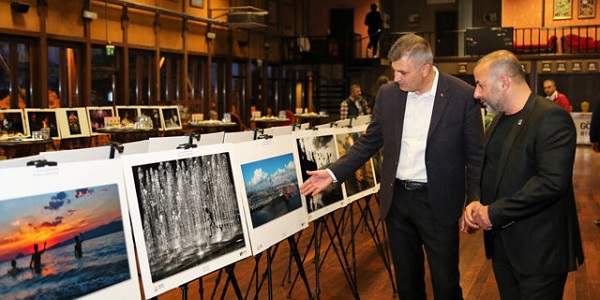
(42,118)
(96,116)
(316,149)
(12,124)
(186,214)
(586,9)
(73,122)
(271,195)
(170,118)
(153,112)
(363,182)
(65,233)
(563,9)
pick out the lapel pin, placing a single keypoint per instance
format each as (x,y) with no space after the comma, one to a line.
(520,122)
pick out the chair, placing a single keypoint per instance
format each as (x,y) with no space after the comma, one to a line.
(290,115)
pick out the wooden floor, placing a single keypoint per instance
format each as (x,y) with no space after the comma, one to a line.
(373,281)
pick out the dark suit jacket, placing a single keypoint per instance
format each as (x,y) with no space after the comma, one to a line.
(454,146)
(532,207)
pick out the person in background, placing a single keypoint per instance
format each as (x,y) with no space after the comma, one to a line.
(554,95)
(355,105)
(595,133)
(375,25)
(429,128)
(380,81)
(527,206)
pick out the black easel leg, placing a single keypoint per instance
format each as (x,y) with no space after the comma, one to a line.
(296,254)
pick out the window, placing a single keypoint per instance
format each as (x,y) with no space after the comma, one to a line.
(141,65)
(64,76)
(15,74)
(104,77)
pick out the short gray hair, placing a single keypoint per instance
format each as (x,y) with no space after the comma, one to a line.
(412,46)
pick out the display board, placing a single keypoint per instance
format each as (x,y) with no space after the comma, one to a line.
(69,223)
(273,205)
(185,213)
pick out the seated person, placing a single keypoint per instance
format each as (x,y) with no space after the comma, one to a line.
(355,105)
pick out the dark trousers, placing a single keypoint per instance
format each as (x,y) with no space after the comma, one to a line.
(412,225)
(514,286)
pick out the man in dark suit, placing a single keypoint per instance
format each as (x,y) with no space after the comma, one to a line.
(527,203)
(595,132)
(431,131)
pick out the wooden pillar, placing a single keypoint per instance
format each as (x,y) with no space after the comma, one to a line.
(40,78)
(156,90)
(124,93)
(86,69)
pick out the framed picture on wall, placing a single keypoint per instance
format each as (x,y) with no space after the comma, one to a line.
(563,9)
(197,3)
(586,9)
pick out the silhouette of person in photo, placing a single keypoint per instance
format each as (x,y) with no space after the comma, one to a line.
(375,25)
(36,259)
(78,249)
(14,271)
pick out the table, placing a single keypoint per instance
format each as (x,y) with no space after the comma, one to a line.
(14,148)
(312,118)
(128,134)
(213,126)
(267,122)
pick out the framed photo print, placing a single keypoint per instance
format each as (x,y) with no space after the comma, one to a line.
(170,117)
(128,114)
(186,214)
(37,118)
(66,233)
(563,9)
(12,123)
(73,122)
(96,116)
(153,112)
(586,9)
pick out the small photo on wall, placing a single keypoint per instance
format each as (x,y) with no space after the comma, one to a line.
(170,117)
(12,124)
(42,118)
(96,116)
(73,122)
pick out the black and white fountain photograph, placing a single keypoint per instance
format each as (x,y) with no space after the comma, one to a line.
(272,196)
(185,212)
(315,150)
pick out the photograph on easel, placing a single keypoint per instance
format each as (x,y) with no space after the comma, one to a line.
(363,182)
(185,213)
(270,191)
(38,119)
(315,150)
(67,235)
(12,124)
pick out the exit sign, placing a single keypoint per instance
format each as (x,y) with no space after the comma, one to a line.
(110,50)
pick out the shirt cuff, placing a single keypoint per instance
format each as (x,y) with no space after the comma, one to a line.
(332,175)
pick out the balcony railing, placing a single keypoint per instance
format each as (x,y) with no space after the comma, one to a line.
(534,41)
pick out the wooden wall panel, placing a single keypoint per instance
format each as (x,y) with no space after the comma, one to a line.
(65,20)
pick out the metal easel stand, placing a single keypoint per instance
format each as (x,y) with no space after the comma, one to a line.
(367,220)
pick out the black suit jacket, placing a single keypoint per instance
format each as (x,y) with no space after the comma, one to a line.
(454,146)
(532,207)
